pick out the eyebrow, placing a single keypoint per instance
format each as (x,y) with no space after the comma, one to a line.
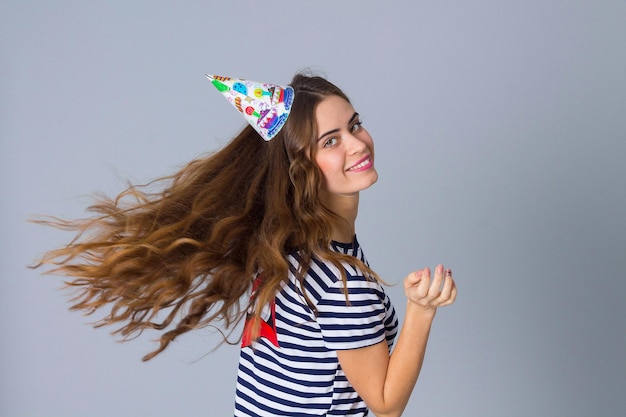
(354,116)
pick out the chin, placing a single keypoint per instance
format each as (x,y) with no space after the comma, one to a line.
(374,179)
(369,184)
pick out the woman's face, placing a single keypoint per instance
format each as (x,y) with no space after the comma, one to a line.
(345,150)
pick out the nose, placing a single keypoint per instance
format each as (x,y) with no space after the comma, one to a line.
(354,145)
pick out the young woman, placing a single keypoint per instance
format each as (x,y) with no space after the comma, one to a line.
(264,229)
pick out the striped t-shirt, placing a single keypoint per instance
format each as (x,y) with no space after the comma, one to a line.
(297,373)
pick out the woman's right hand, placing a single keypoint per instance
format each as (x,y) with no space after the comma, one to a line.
(427,294)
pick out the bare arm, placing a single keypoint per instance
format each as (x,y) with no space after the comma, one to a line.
(384,381)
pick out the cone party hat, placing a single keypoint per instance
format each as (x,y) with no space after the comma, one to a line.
(265,106)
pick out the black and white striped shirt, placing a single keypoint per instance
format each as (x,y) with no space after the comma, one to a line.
(302,376)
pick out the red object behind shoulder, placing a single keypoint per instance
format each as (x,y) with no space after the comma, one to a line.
(268,328)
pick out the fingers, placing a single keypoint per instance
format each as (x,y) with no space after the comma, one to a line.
(431,293)
(448,290)
(412,279)
(417,284)
(424,285)
(437,281)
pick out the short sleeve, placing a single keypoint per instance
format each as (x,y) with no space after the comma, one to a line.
(356,324)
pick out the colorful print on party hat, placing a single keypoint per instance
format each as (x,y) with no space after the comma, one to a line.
(265,106)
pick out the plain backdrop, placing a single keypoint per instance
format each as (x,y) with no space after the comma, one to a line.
(500,139)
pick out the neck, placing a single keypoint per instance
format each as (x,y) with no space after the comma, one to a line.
(346,207)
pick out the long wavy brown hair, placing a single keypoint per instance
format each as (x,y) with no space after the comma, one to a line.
(185,257)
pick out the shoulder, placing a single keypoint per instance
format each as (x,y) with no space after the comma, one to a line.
(323,279)
(319,274)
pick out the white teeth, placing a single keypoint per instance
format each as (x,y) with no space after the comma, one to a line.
(361,165)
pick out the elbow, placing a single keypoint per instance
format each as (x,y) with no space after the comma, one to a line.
(387,411)
(386,414)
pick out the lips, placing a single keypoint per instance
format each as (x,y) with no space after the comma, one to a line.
(364,163)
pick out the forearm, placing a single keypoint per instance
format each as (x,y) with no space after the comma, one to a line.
(405,362)
(384,381)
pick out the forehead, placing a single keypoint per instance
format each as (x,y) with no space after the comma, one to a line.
(332,112)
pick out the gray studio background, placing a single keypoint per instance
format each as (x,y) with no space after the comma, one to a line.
(500,138)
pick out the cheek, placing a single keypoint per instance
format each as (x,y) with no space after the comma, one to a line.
(328,164)
(369,141)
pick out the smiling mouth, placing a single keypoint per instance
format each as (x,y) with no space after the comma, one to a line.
(365,162)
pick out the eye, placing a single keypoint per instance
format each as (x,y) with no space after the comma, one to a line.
(357,126)
(330,142)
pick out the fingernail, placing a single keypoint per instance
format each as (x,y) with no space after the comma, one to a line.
(439,269)
(448,272)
